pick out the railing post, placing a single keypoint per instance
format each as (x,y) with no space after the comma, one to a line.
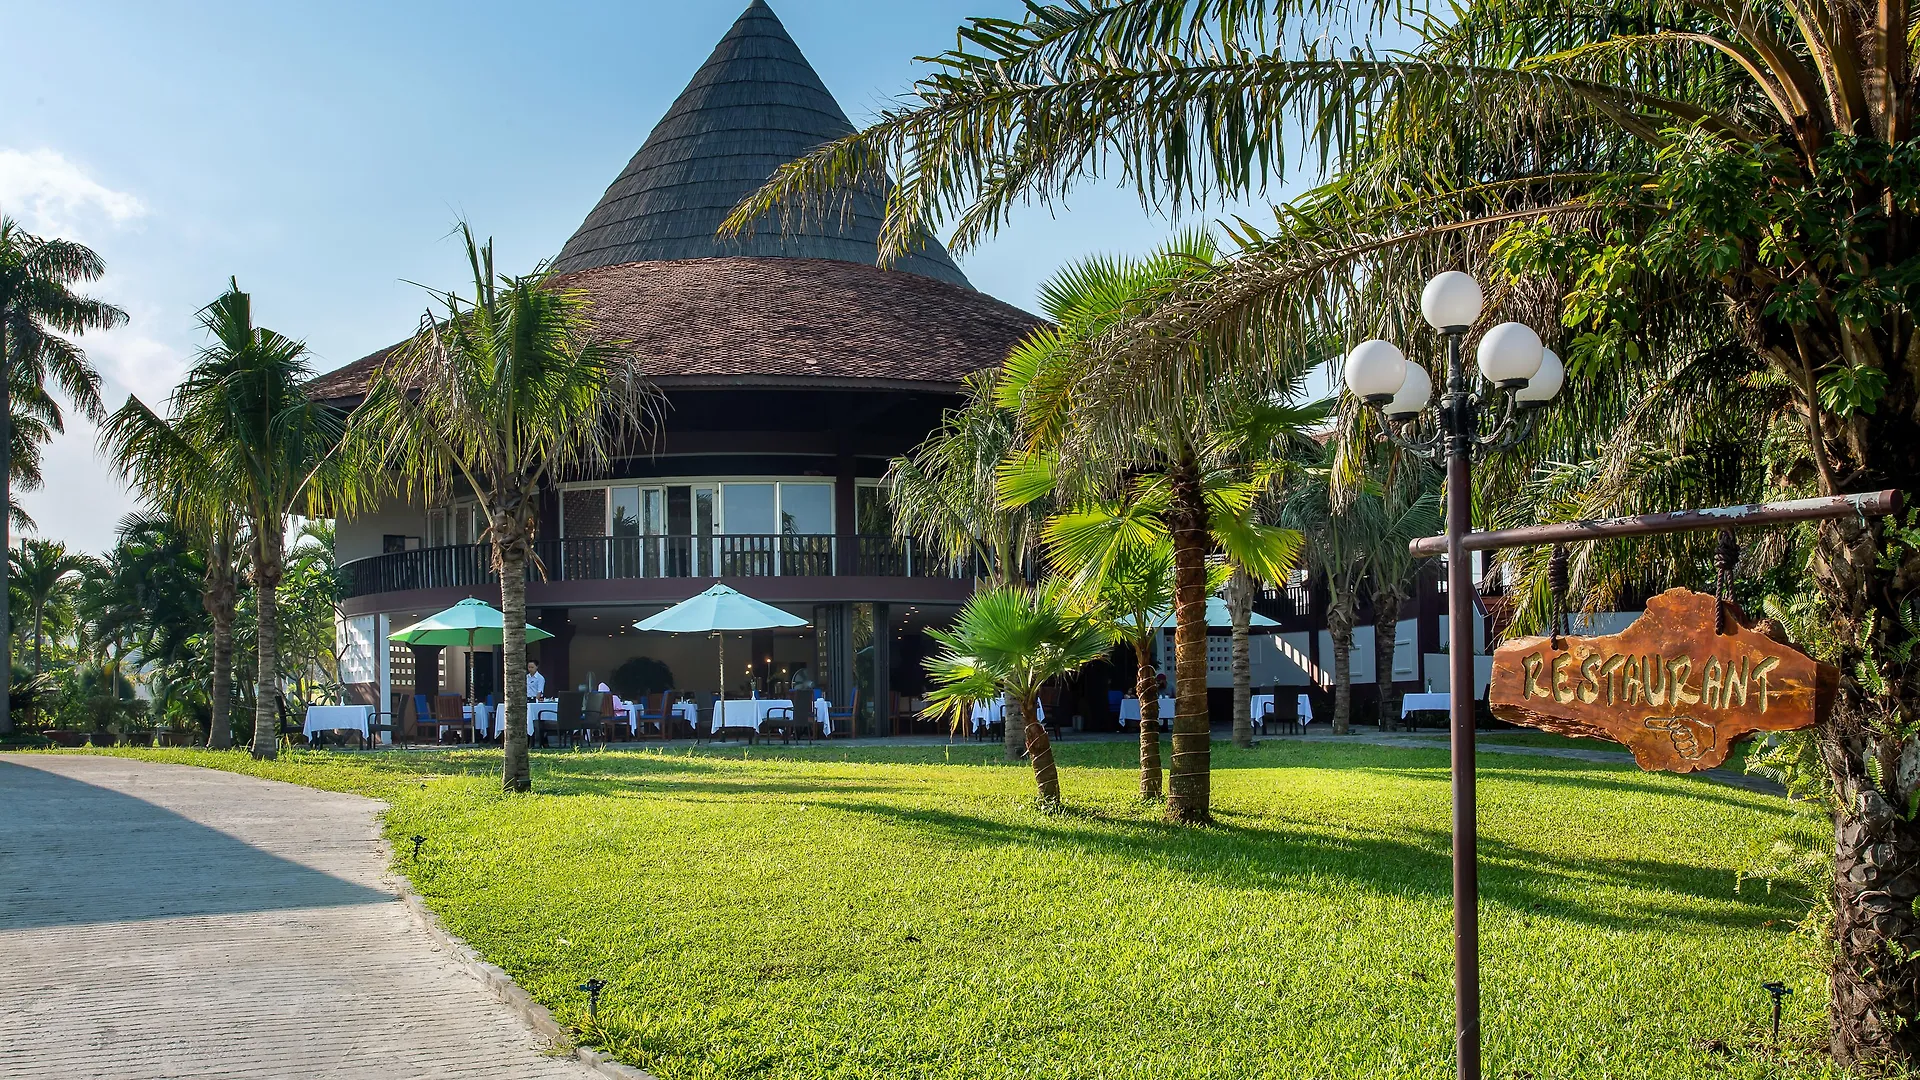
(909,549)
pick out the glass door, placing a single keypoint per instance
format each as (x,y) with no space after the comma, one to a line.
(705,530)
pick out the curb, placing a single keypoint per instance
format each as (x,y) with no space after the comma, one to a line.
(534,1014)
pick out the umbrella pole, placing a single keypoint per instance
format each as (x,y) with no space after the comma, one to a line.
(721,704)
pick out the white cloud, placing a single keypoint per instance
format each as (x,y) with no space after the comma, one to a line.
(48,193)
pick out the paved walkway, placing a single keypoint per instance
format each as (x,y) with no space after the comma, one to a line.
(167,921)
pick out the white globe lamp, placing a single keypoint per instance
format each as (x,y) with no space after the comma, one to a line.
(1412,396)
(1451,301)
(1546,382)
(1510,354)
(1375,370)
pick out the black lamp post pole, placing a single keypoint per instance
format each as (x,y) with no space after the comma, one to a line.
(1461,425)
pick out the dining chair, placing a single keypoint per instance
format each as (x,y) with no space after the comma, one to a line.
(449,714)
(423,725)
(569,717)
(654,713)
(843,718)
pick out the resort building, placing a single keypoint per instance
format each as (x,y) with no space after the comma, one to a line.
(792,368)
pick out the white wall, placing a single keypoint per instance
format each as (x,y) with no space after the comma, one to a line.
(358,537)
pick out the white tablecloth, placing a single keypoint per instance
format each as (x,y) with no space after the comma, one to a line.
(1413,702)
(1258,703)
(749,712)
(1130,710)
(338,717)
(993,712)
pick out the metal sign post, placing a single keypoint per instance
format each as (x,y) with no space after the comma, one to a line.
(1459,540)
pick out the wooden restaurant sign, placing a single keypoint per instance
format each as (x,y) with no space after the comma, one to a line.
(1678,694)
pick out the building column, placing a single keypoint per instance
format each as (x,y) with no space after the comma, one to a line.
(426,669)
(846,514)
(1426,633)
(556,653)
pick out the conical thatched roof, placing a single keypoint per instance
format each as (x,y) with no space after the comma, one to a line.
(755,105)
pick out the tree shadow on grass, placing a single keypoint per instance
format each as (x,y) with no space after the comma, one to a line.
(1417,863)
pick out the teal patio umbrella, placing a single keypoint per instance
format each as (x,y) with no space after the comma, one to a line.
(1217,615)
(470,623)
(714,611)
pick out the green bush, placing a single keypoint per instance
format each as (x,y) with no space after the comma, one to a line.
(639,677)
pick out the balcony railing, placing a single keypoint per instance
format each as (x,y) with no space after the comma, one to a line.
(605,558)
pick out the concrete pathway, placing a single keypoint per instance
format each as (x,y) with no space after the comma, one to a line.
(167,921)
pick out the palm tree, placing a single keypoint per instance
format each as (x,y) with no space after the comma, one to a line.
(1409,509)
(1010,640)
(46,573)
(943,496)
(37,307)
(240,417)
(178,477)
(510,391)
(1199,432)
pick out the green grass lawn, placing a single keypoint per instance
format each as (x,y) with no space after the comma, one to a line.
(906,912)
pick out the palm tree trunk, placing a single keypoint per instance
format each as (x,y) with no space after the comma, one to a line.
(1240,606)
(1386,629)
(1189,794)
(266,605)
(39,644)
(1147,688)
(1039,748)
(6,542)
(220,708)
(1340,620)
(516,774)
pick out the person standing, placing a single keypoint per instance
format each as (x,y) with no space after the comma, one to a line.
(536,682)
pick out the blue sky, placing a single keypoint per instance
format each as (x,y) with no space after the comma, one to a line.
(320,153)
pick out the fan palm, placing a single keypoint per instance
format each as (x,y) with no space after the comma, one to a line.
(38,310)
(174,475)
(943,495)
(1184,438)
(241,416)
(1009,640)
(510,391)
(47,574)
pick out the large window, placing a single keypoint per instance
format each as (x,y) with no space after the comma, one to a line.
(748,509)
(806,509)
(724,508)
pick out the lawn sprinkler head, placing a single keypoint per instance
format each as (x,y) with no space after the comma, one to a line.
(593,988)
(1779,991)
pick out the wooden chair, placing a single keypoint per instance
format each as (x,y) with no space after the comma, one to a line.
(449,714)
(843,718)
(1283,713)
(422,720)
(654,710)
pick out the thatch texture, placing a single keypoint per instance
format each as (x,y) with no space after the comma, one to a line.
(755,105)
(723,322)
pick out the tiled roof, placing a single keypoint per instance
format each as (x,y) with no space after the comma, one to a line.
(722,321)
(755,105)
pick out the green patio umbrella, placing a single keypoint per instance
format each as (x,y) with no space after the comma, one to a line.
(716,610)
(470,623)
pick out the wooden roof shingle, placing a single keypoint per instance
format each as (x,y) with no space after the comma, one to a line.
(798,322)
(755,105)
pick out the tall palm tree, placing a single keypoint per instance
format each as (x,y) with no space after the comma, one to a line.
(240,414)
(1410,508)
(46,572)
(1009,640)
(37,307)
(1198,431)
(176,476)
(943,495)
(511,390)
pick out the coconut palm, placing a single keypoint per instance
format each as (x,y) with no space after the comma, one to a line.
(240,415)
(179,478)
(943,496)
(510,391)
(47,574)
(38,312)
(1184,437)
(1409,509)
(1009,640)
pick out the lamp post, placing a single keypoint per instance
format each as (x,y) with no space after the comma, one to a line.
(1475,416)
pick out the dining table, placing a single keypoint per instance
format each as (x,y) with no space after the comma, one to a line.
(994,711)
(338,718)
(1130,710)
